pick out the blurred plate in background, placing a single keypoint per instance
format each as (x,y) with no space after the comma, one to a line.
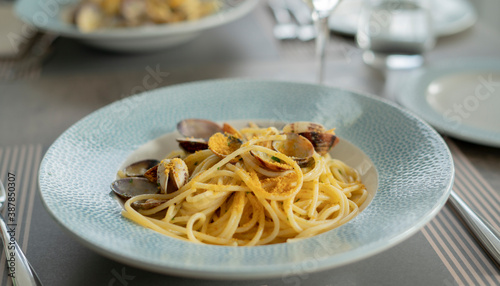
(450,16)
(459,98)
(50,16)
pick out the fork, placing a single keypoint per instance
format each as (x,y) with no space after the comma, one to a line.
(32,55)
(285,28)
(20,270)
(302,13)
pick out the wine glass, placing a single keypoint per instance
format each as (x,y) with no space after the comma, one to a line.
(321,10)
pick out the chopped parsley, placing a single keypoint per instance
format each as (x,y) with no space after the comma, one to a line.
(276,159)
(130,181)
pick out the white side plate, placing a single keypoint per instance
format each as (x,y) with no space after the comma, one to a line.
(461,99)
(450,16)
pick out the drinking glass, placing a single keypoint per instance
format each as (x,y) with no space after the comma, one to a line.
(395,34)
(321,10)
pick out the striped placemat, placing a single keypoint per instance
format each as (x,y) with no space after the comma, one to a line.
(19,165)
(466,261)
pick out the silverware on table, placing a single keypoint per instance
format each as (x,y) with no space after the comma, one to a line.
(30,57)
(485,233)
(306,30)
(20,270)
(285,28)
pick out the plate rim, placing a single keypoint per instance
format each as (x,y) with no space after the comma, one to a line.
(360,253)
(413,97)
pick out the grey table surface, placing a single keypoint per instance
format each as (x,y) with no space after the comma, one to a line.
(76,80)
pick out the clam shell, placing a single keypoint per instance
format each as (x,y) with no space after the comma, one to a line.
(198,128)
(130,187)
(192,145)
(224,144)
(137,169)
(303,126)
(322,142)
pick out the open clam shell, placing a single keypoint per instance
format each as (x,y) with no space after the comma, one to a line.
(139,168)
(270,162)
(321,139)
(322,142)
(198,128)
(224,144)
(192,145)
(172,175)
(295,146)
(127,188)
(303,126)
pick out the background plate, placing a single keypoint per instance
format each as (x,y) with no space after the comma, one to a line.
(51,16)
(450,16)
(459,98)
(414,166)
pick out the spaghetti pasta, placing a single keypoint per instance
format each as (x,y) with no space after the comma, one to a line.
(239,201)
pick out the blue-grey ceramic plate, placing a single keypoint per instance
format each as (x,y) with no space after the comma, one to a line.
(53,17)
(459,98)
(415,173)
(449,16)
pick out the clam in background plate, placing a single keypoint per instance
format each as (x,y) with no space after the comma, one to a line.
(414,166)
(450,16)
(459,98)
(51,16)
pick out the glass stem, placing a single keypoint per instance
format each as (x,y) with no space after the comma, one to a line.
(321,42)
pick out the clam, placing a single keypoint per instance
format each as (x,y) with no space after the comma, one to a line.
(137,169)
(159,11)
(130,187)
(270,162)
(224,144)
(192,145)
(322,142)
(147,204)
(198,128)
(132,11)
(321,139)
(196,133)
(172,175)
(295,146)
(88,17)
(229,129)
(303,126)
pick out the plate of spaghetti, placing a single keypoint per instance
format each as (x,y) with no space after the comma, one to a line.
(247,187)
(254,187)
(131,25)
